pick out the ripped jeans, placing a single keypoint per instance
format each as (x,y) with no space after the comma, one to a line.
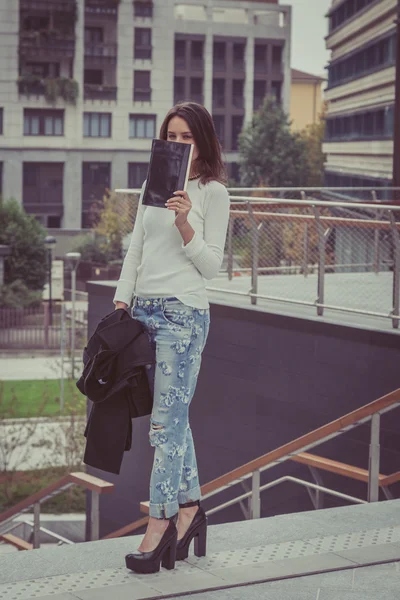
(179,333)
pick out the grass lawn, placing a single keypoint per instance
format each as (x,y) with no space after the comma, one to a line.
(15,487)
(35,398)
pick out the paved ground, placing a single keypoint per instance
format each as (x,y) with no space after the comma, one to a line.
(355,291)
(318,555)
(30,367)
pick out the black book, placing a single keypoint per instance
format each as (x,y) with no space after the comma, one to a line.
(168,171)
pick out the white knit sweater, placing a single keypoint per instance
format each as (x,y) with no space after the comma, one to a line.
(158,265)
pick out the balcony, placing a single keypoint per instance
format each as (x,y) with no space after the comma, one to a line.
(33,86)
(42,44)
(258,102)
(101,52)
(142,95)
(239,65)
(180,63)
(102,7)
(197,98)
(95,91)
(57,5)
(143,52)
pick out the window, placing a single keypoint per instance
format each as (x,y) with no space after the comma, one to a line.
(180,53)
(96,180)
(196,54)
(260,58)
(143,47)
(237,124)
(96,124)
(142,89)
(238,55)
(43,184)
(142,126)
(219,55)
(1,121)
(94,35)
(219,124)
(35,23)
(143,8)
(196,89)
(276,89)
(219,93)
(43,122)
(93,76)
(237,93)
(346,11)
(371,58)
(260,91)
(371,124)
(276,57)
(1,178)
(179,89)
(137,173)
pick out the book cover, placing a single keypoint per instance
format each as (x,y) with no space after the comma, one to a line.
(169,170)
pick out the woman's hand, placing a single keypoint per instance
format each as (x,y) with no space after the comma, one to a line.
(182,206)
(121,305)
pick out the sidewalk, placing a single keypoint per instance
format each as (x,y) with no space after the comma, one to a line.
(33,367)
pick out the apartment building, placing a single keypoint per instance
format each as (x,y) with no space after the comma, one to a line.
(360,93)
(85,85)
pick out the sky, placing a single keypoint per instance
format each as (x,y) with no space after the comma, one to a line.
(309,28)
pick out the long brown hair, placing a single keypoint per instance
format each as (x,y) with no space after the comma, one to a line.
(209,163)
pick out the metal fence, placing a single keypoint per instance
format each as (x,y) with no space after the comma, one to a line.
(35,328)
(284,245)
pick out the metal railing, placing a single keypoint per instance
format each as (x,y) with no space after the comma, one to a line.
(369,413)
(271,238)
(304,250)
(93,484)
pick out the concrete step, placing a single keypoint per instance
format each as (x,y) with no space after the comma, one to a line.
(312,554)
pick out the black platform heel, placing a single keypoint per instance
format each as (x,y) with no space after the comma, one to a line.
(164,554)
(197,530)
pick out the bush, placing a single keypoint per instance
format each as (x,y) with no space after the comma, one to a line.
(25,236)
(18,295)
(93,249)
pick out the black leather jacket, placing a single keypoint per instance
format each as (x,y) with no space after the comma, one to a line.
(114,378)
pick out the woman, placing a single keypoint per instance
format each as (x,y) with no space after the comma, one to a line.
(170,255)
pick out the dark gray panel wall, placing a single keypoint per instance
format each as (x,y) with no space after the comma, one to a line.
(265,380)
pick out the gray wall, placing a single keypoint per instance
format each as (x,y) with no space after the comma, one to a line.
(267,379)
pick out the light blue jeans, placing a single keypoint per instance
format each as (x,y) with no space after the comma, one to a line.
(179,333)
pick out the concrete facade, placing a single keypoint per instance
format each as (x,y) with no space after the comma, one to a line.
(360,94)
(251,21)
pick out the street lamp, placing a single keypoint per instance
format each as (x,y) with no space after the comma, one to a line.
(50,240)
(73,259)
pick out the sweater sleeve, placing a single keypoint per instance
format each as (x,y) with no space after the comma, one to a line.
(133,257)
(207,254)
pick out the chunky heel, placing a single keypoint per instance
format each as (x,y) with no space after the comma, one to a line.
(200,541)
(169,556)
(198,531)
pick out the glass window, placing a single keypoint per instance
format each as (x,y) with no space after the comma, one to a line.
(97,124)
(143,9)
(137,173)
(142,126)
(43,122)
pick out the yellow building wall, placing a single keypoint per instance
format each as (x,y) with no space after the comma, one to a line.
(305,104)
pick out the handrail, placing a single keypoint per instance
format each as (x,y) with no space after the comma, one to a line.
(304,442)
(91,483)
(313,202)
(333,466)
(292,450)
(348,222)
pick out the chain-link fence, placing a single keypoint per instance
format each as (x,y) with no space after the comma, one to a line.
(296,248)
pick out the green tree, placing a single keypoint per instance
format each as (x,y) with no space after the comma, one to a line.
(313,137)
(25,236)
(271,154)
